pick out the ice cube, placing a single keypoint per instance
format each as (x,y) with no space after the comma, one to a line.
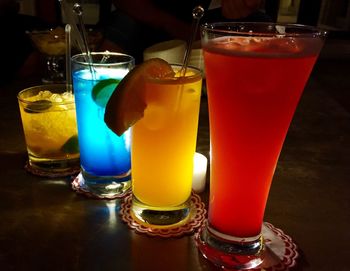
(281,29)
(44,94)
(67,96)
(56,98)
(155,116)
(241,43)
(293,45)
(286,45)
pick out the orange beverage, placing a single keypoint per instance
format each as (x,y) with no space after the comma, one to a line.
(164,142)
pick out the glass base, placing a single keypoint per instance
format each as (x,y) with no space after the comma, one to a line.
(230,252)
(47,166)
(152,216)
(107,186)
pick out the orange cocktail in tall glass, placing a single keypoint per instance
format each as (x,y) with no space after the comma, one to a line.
(255,76)
(161,103)
(163,146)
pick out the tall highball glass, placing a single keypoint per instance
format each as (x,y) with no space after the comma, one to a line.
(105,157)
(255,75)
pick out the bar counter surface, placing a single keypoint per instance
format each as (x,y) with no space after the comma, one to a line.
(45,225)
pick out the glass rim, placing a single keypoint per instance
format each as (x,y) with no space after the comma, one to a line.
(305,30)
(192,77)
(48,87)
(75,59)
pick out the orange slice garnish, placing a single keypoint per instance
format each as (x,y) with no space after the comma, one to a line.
(127,103)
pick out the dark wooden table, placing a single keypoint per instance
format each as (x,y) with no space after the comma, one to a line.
(46,226)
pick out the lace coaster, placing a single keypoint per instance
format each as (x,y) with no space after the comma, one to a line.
(281,251)
(38,172)
(79,186)
(197,216)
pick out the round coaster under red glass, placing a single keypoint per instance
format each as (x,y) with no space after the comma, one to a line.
(280,250)
(79,186)
(197,216)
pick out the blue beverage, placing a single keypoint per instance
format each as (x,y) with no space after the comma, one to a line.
(104,156)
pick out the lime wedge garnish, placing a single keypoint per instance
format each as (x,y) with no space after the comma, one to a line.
(38,106)
(103,90)
(71,145)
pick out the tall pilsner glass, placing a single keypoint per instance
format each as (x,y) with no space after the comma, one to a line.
(256,73)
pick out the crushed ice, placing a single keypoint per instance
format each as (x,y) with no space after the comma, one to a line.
(55,97)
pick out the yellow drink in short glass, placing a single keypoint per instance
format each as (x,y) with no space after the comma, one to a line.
(163,146)
(50,129)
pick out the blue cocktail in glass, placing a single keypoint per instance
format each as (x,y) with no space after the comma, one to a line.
(104,156)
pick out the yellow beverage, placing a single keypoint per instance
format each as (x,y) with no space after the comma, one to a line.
(164,141)
(49,124)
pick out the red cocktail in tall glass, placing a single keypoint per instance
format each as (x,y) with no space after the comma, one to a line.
(256,73)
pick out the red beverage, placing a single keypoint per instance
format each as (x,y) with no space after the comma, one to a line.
(256,73)
(254,85)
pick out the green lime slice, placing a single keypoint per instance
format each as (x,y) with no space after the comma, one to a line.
(38,106)
(103,90)
(71,146)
